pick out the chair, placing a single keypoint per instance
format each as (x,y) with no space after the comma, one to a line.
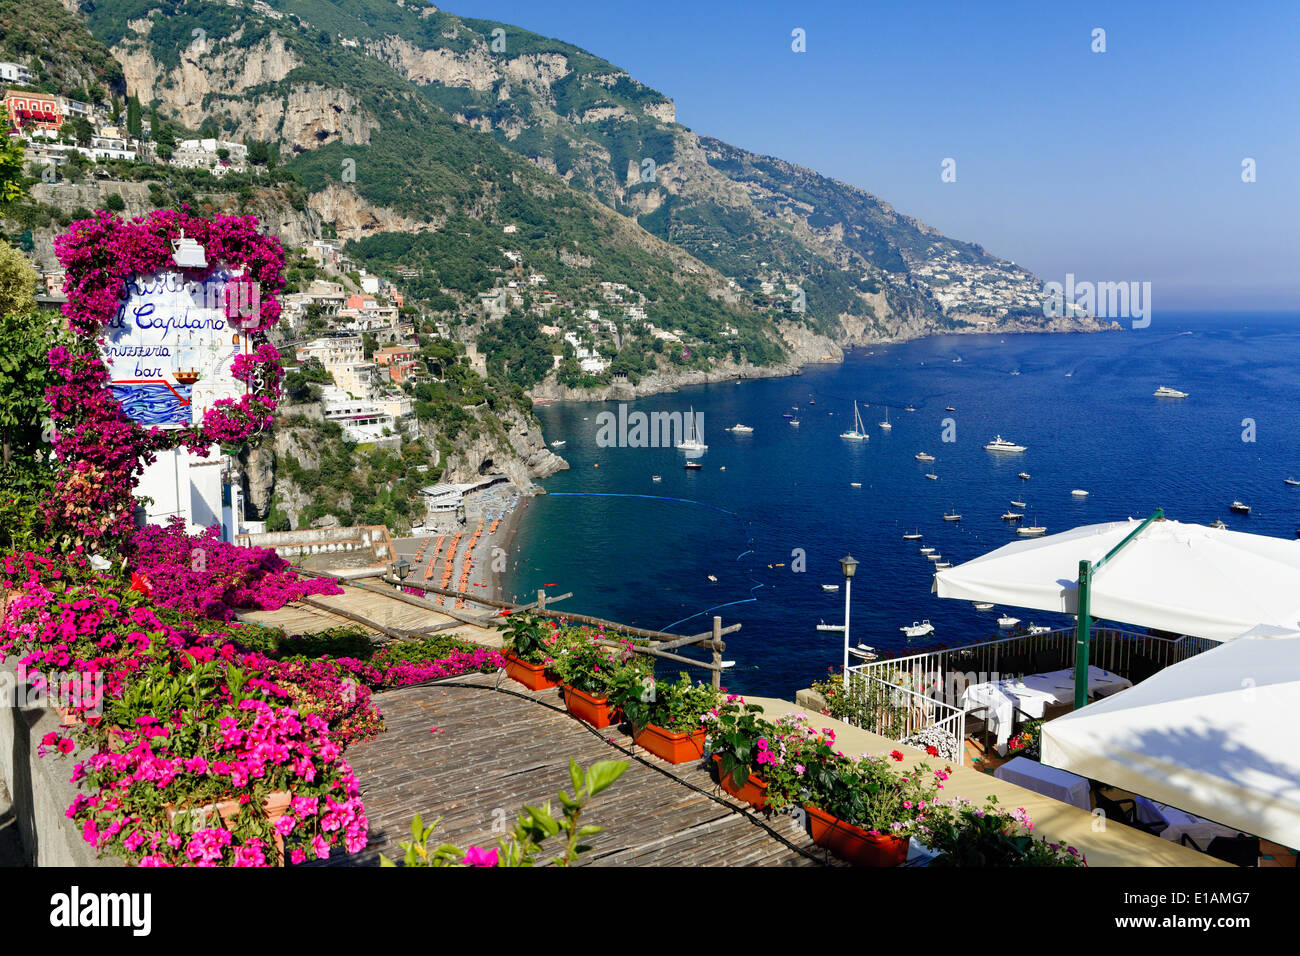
(1116,810)
(1240,850)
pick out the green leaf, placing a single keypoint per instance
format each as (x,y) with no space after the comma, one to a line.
(603,773)
(575,774)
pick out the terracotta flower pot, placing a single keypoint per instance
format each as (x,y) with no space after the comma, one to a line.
(593,710)
(753,791)
(853,844)
(532,676)
(224,812)
(670,746)
(68,716)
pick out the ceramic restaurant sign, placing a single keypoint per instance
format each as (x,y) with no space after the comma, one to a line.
(169,348)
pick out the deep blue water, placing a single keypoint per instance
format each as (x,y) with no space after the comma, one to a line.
(645,561)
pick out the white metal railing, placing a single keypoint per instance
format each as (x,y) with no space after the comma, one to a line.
(904,715)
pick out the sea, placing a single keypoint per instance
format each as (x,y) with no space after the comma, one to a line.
(770,514)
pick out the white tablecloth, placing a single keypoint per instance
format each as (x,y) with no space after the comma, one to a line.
(1178,823)
(1049,781)
(1032,694)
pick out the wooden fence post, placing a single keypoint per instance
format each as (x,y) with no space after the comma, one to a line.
(717,653)
(541,600)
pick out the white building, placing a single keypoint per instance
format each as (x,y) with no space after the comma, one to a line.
(16,73)
(343,350)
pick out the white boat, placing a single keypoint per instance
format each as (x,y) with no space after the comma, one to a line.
(692,443)
(830,587)
(918,629)
(911,408)
(922,456)
(943,564)
(1024,476)
(932,476)
(950,409)
(693,466)
(983,605)
(934,557)
(741,429)
(1001,444)
(927,550)
(864,651)
(1164,391)
(655,478)
(912,536)
(794,422)
(855,484)
(1218,523)
(951,515)
(858,432)
(1240,508)
(1031,531)
(558,443)
(1012,516)
(1079,493)
(885,424)
(1291,481)
(1007,621)
(1019,504)
(712,578)
(1038,628)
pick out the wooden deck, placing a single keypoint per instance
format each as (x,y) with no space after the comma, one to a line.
(499,749)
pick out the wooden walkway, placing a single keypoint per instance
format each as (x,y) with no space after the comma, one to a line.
(496,751)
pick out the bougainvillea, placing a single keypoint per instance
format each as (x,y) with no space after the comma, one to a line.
(102,451)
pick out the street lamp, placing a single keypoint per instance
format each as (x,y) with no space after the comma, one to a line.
(848,565)
(400,570)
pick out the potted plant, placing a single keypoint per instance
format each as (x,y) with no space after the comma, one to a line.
(529,646)
(667,718)
(964,834)
(595,673)
(1026,743)
(738,737)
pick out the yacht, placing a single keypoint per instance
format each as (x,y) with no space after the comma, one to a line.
(1164,391)
(951,515)
(922,456)
(1240,508)
(918,630)
(1006,621)
(692,443)
(1012,516)
(1031,531)
(1001,444)
(912,536)
(741,429)
(885,424)
(1079,493)
(858,431)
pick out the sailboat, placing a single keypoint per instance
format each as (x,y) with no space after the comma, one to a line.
(692,443)
(858,432)
(885,424)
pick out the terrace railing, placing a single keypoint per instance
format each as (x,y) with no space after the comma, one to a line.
(904,715)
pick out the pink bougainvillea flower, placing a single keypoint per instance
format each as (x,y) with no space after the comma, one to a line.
(477,857)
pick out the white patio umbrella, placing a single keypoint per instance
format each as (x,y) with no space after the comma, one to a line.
(1185,578)
(1213,735)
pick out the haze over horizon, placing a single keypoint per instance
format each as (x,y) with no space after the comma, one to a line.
(1123,165)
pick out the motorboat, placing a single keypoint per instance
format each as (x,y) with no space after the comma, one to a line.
(940,565)
(830,587)
(934,557)
(1012,516)
(1290,481)
(918,629)
(691,442)
(855,484)
(558,443)
(922,456)
(693,466)
(865,652)
(794,422)
(713,577)
(1002,444)
(1023,476)
(1239,507)
(932,476)
(926,550)
(1079,493)
(950,409)
(1006,621)
(983,605)
(1218,523)
(656,478)
(1164,391)
(951,515)
(858,432)
(1038,628)
(1031,531)
(741,429)
(912,536)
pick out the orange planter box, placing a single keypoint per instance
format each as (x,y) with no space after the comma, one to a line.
(853,844)
(532,676)
(670,746)
(752,791)
(593,710)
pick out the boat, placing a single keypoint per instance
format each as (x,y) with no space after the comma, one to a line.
(912,536)
(1079,493)
(950,409)
(911,408)
(1006,621)
(983,605)
(922,456)
(885,424)
(1016,372)
(712,578)
(1240,508)
(655,478)
(932,476)
(1001,444)
(693,466)
(1018,504)
(1023,476)
(830,587)
(951,515)
(692,443)
(1164,391)
(1012,516)
(1039,628)
(858,431)
(918,629)
(865,651)
(558,443)
(934,557)
(787,415)
(741,429)
(1218,523)
(794,422)
(940,565)
(1290,481)
(855,484)
(1031,531)
(927,550)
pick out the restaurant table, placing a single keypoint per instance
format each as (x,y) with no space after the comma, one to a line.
(1179,822)
(1032,694)
(1049,781)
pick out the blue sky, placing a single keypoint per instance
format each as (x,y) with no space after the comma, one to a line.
(1122,165)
